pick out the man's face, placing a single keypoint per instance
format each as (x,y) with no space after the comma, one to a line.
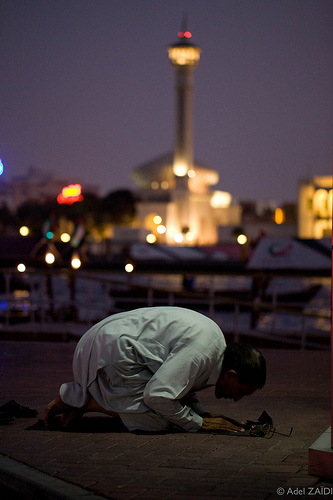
(228,387)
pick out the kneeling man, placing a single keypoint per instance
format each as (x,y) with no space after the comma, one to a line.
(144,367)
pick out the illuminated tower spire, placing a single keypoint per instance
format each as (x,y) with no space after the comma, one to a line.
(184,56)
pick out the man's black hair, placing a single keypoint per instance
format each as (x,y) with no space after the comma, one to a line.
(247,362)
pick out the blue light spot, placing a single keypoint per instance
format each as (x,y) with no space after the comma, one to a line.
(1,167)
(3,305)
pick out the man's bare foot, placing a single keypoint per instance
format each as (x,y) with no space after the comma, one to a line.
(69,414)
(71,418)
(58,407)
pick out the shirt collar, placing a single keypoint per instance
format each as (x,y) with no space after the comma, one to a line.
(214,376)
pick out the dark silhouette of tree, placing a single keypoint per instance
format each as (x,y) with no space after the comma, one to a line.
(118,207)
(7,219)
(88,207)
(33,214)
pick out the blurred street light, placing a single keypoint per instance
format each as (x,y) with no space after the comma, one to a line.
(129,267)
(49,257)
(75,261)
(241,239)
(24,231)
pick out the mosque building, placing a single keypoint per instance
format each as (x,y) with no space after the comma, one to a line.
(177,204)
(176,201)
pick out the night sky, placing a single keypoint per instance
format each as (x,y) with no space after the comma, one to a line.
(87,90)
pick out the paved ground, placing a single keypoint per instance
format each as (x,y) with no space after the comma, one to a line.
(104,461)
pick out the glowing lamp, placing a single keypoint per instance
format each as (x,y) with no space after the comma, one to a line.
(157,219)
(76,261)
(161,229)
(185,34)
(184,54)
(24,231)
(151,238)
(180,169)
(189,236)
(49,258)
(178,238)
(21,268)
(129,268)
(220,199)
(65,237)
(279,216)
(241,239)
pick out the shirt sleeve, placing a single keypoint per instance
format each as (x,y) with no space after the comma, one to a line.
(172,381)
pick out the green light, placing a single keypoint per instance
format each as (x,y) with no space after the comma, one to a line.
(49,235)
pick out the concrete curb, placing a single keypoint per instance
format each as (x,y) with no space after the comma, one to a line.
(20,481)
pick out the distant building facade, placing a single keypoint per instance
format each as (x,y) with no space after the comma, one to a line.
(315,207)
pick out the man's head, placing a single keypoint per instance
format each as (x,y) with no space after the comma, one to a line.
(243,371)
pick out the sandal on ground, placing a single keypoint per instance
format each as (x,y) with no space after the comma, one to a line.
(13,409)
(5,418)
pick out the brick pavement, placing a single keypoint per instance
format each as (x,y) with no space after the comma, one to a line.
(104,461)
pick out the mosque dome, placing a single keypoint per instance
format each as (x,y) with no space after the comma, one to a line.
(157,174)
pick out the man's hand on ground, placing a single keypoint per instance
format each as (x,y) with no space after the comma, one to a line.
(228,419)
(222,424)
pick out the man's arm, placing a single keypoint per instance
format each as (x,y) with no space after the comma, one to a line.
(172,381)
(191,400)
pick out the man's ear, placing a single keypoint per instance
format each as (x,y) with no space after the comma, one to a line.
(232,375)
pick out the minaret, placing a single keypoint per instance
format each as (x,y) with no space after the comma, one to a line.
(184,56)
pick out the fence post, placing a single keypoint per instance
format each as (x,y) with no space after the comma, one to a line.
(150,297)
(33,301)
(106,298)
(236,322)
(212,297)
(7,288)
(171,299)
(42,298)
(73,311)
(89,295)
(274,303)
(303,331)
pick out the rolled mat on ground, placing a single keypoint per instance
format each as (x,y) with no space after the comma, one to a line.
(260,427)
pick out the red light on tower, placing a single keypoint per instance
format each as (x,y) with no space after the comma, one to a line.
(184,34)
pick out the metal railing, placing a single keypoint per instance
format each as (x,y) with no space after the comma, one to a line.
(85,298)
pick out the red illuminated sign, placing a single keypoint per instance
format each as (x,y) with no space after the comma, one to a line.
(70,194)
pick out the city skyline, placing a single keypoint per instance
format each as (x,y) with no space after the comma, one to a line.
(88,92)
